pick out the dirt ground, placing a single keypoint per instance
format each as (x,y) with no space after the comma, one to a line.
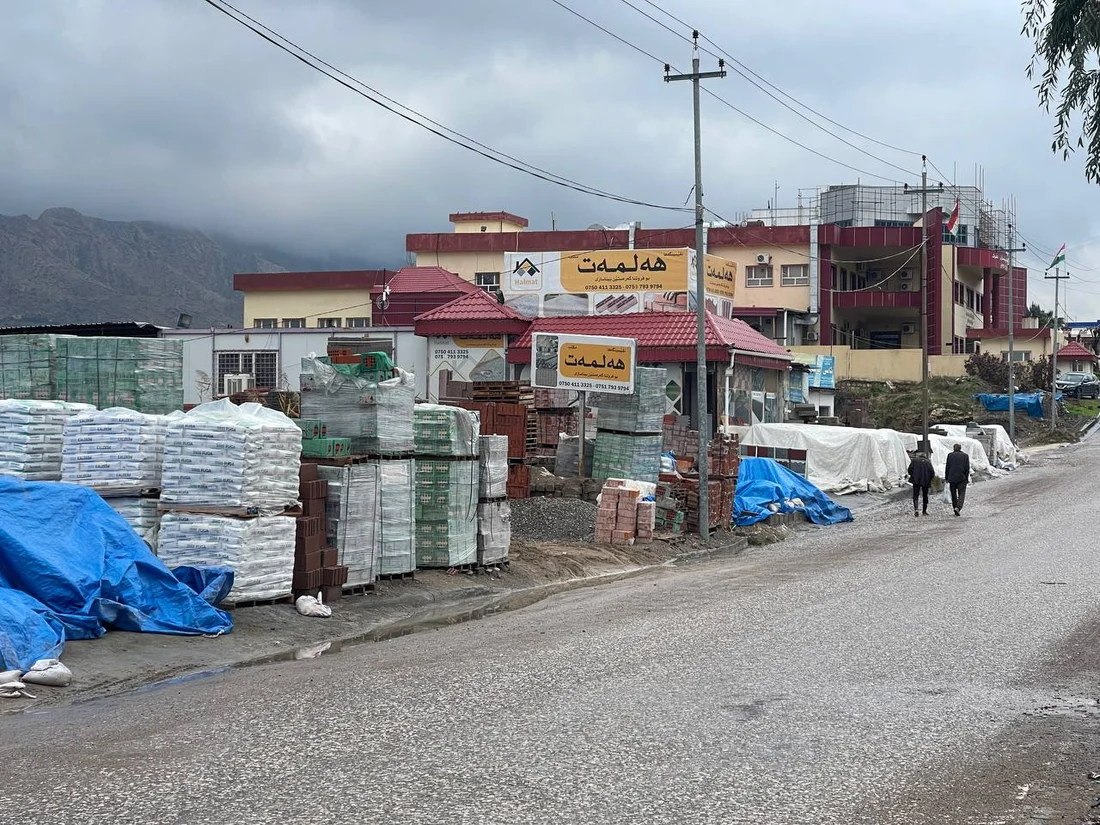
(120,662)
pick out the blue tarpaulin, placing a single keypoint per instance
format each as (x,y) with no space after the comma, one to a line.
(1030,401)
(761,481)
(71,567)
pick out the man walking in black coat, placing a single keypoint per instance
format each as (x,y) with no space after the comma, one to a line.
(920,476)
(957,475)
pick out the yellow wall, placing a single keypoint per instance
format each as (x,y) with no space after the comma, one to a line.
(789,297)
(886,364)
(309,304)
(464,264)
(490,226)
(1023,342)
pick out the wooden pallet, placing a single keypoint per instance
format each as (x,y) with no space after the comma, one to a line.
(345,460)
(358,589)
(390,577)
(228,512)
(257,602)
(128,492)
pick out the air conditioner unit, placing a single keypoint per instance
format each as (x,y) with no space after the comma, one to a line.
(810,336)
(908,329)
(763,259)
(239,383)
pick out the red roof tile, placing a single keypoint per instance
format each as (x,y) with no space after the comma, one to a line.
(658,333)
(478,305)
(427,279)
(1075,350)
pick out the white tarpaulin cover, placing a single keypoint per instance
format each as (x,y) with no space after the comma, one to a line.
(942,445)
(840,459)
(1003,448)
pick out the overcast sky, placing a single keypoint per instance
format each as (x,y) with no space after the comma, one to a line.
(167,110)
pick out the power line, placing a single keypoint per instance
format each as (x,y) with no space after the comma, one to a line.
(790,97)
(416,118)
(778,100)
(722,100)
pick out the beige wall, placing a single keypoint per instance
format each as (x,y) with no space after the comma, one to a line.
(490,226)
(463,264)
(1023,342)
(310,304)
(886,364)
(790,297)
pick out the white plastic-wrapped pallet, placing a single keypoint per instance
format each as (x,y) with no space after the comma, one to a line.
(32,437)
(141,514)
(113,450)
(259,550)
(222,456)
(494,532)
(353,512)
(494,466)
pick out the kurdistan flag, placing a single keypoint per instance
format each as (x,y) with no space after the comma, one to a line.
(1059,257)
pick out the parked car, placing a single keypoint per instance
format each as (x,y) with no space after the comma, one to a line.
(1078,385)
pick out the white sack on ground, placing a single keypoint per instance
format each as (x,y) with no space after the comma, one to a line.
(840,460)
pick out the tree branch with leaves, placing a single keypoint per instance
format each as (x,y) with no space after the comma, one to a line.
(1066,34)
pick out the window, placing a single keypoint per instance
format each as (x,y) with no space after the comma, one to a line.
(326,323)
(959,238)
(489,281)
(970,299)
(294,323)
(265,323)
(1017,355)
(759,276)
(977,302)
(357,323)
(262,365)
(794,274)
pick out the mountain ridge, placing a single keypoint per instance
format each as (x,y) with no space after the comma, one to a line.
(64,267)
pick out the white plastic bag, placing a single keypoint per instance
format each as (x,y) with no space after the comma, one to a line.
(48,672)
(9,676)
(310,606)
(946,494)
(14,689)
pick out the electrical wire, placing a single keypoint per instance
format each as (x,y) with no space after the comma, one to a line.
(790,97)
(722,100)
(415,117)
(735,67)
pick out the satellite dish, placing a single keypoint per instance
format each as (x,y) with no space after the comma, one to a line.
(384,298)
(597,227)
(500,296)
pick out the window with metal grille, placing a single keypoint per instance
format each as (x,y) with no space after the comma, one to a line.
(759,276)
(262,365)
(357,323)
(265,323)
(294,323)
(327,323)
(488,281)
(794,275)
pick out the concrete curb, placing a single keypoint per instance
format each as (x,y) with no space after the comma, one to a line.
(464,608)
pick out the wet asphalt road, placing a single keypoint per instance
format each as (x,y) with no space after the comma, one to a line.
(834,678)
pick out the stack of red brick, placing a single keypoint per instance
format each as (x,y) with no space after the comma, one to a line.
(316,566)
(623,518)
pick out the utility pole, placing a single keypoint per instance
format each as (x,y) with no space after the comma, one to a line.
(1054,325)
(700,286)
(1012,332)
(923,191)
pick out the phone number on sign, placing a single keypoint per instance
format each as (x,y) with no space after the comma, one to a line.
(593,386)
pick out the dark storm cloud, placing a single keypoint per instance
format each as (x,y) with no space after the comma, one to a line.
(165,109)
